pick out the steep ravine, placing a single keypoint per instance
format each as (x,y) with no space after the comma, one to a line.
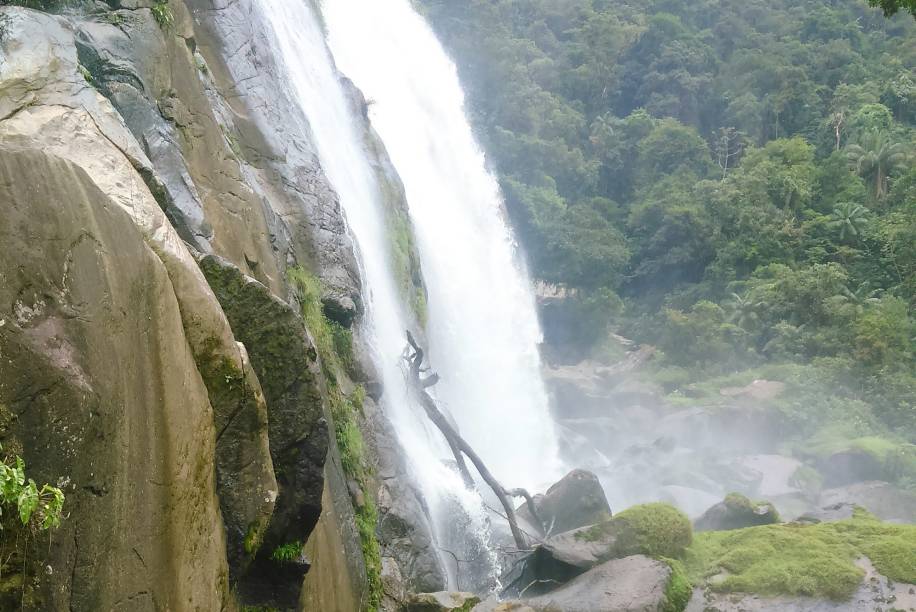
(155,361)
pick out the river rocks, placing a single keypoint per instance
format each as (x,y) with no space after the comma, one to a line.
(882,499)
(632,584)
(574,501)
(441,602)
(736,512)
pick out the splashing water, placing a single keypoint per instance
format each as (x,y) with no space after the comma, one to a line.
(483,329)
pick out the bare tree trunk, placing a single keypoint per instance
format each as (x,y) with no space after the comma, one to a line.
(459,445)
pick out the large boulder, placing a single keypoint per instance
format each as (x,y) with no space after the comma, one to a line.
(850,466)
(882,499)
(442,601)
(632,584)
(736,512)
(658,530)
(574,501)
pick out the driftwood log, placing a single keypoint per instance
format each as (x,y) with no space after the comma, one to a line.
(414,356)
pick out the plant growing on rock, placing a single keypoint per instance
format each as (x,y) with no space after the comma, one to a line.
(38,509)
(334,344)
(162,12)
(287,552)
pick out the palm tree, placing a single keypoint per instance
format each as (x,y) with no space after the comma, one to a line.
(850,219)
(874,159)
(743,310)
(861,296)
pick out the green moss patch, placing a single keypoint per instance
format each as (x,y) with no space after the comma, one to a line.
(656,530)
(335,347)
(290,551)
(739,503)
(678,590)
(810,560)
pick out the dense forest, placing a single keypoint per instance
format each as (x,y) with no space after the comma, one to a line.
(731,181)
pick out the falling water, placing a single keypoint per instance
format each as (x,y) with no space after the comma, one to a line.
(296,36)
(483,329)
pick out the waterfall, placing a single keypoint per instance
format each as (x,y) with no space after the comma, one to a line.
(483,329)
(457,516)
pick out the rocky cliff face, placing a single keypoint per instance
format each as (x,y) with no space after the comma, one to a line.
(152,357)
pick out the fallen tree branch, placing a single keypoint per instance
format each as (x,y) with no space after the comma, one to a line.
(531,507)
(459,445)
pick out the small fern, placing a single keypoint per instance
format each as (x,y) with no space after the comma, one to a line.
(288,552)
(163,14)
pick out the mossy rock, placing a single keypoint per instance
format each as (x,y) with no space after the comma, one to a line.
(679,589)
(735,512)
(656,530)
(802,560)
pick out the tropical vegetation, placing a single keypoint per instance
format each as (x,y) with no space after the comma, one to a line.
(733,182)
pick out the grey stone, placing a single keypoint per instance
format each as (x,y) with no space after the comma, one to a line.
(632,584)
(882,499)
(836,512)
(576,500)
(443,601)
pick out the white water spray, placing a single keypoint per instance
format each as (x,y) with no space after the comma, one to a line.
(483,329)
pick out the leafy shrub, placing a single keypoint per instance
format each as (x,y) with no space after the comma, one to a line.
(38,509)
(162,12)
(290,551)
